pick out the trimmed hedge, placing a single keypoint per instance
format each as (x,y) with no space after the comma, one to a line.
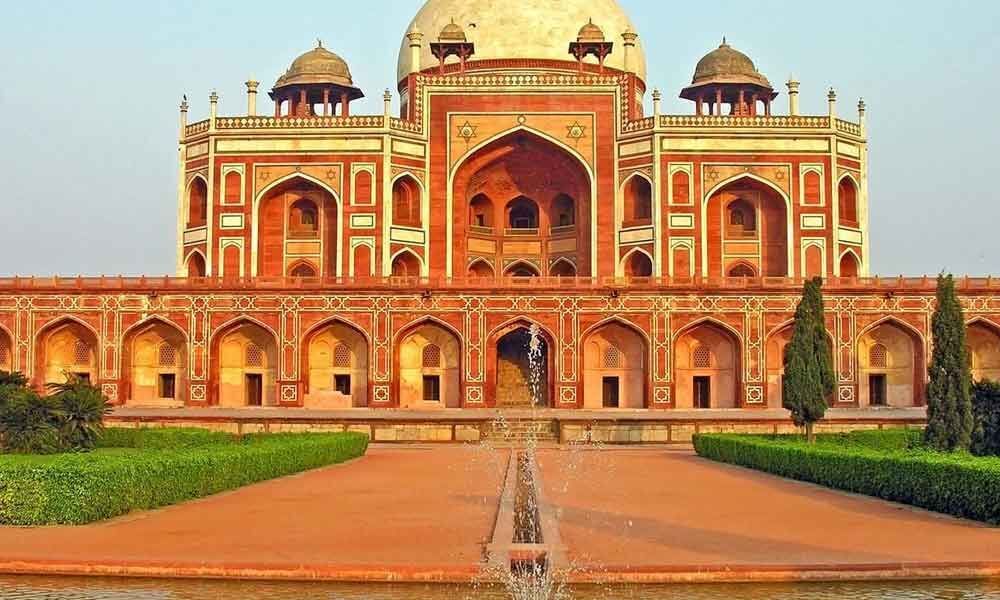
(167,438)
(958,484)
(82,488)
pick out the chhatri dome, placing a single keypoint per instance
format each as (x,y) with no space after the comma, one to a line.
(522,29)
(727,65)
(318,65)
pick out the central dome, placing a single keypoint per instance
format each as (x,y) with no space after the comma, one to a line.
(522,29)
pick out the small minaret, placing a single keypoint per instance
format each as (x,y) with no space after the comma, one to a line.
(213,103)
(252,97)
(862,109)
(415,38)
(387,105)
(793,96)
(831,99)
(657,97)
(628,49)
(184,116)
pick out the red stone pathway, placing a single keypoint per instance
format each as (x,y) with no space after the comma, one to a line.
(417,508)
(646,508)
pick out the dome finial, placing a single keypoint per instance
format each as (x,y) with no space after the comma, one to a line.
(724,44)
(319,43)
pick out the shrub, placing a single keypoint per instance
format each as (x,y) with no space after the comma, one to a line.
(166,438)
(82,407)
(29,423)
(82,488)
(958,484)
(986,409)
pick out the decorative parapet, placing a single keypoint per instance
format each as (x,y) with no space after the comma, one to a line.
(638,125)
(355,122)
(773,122)
(848,127)
(404,125)
(196,128)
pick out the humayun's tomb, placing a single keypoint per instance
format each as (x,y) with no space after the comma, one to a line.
(330,260)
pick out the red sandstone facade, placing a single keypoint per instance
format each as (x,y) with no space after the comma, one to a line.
(327,260)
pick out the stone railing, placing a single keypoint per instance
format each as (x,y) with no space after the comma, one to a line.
(196,128)
(773,122)
(886,285)
(357,122)
(848,127)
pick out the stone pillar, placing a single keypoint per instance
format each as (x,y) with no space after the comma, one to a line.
(387,105)
(345,104)
(415,38)
(657,97)
(184,117)
(252,97)
(861,115)
(793,97)
(831,98)
(718,102)
(326,103)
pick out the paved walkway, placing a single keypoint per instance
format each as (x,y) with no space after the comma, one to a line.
(419,507)
(641,509)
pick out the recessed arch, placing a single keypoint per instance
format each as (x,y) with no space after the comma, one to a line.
(426,386)
(509,364)
(901,380)
(67,346)
(408,208)
(7,350)
(636,193)
(614,357)
(195,264)
(335,358)
(521,268)
(848,194)
(245,365)
(153,380)
(587,235)
(337,235)
(741,268)
(775,345)
(631,265)
(196,201)
(788,222)
(480,267)
(983,343)
(407,263)
(707,365)
(849,263)
(562,267)
(302,268)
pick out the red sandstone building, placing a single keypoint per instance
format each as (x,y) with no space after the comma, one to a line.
(327,259)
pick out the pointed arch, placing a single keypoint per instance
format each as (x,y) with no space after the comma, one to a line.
(7,349)
(775,344)
(480,267)
(196,201)
(573,153)
(848,193)
(150,382)
(854,262)
(627,264)
(636,194)
(238,380)
(329,383)
(405,256)
(195,264)
(789,224)
(255,222)
(508,363)
(741,268)
(562,267)
(902,380)
(55,358)
(408,201)
(716,383)
(421,386)
(302,268)
(518,267)
(983,344)
(619,383)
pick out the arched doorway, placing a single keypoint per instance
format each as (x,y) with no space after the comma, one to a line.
(67,348)
(707,367)
(528,198)
(297,222)
(522,375)
(775,349)
(246,365)
(849,266)
(336,363)
(890,366)
(155,360)
(746,221)
(429,359)
(195,265)
(614,367)
(983,341)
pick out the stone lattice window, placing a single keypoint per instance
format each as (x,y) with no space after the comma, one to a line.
(167,355)
(612,358)
(81,353)
(701,357)
(878,357)
(4,354)
(432,357)
(255,356)
(342,356)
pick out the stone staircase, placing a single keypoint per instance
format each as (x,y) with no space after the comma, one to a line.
(520,431)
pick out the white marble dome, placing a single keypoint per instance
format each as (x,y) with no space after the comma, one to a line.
(539,29)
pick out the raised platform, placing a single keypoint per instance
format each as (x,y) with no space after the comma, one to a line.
(476,425)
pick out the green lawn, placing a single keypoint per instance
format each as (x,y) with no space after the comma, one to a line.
(138,469)
(890,464)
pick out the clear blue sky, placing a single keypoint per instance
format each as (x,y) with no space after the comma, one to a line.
(90,91)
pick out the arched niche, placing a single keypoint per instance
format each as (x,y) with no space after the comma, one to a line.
(847,195)
(707,367)
(302,268)
(638,264)
(562,268)
(155,360)
(890,366)
(246,366)
(6,352)
(195,265)
(521,269)
(983,341)
(539,189)
(429,359)
(301,212)
(849,265)
(480,269)
(752,217)
(406,205)
(197,203)
(614,367)
(637,202)
(336,365)
(67,348)
(406,264)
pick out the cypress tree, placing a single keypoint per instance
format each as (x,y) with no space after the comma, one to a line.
(809,377)
(949,398)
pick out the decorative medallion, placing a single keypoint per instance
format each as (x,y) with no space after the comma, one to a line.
(576,132)
(467,132)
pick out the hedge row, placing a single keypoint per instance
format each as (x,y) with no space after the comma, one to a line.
(957,484)
(82,488)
